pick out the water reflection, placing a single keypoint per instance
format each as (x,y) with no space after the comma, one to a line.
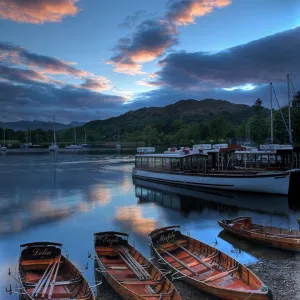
(132,218)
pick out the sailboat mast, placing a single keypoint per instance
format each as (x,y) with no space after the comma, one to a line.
(74,134)
(85,136)
(289,108)
(3,136)
(54,136)
(271,100)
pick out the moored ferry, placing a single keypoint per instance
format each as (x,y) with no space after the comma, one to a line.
(213,169)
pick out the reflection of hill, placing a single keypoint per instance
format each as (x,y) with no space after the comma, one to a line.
(187,200)
(257,251)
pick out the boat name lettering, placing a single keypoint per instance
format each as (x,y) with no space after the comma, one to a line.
(39,252)
(110,240)
(165,238)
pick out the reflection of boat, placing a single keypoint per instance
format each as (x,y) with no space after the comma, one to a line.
(287,239)
(206,267)
(45,273)
(189,199)
(255,250)
(128,272)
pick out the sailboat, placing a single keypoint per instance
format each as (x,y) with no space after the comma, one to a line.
(54,146)
(3,148)
(74,146)
(85,145)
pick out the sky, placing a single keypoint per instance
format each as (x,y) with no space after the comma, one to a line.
(88,59)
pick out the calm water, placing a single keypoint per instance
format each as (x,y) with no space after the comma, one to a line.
(68,197)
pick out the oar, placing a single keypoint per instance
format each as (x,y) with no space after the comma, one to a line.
(48,281)
(193,255)
(44,281)
(53,280)
(179,261)
(138,266)
(130,265)
(41,279)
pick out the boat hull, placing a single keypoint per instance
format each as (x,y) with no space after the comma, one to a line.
(218,291)
(292,244)
(268,182)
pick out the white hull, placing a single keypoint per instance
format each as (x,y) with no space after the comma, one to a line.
(267,182)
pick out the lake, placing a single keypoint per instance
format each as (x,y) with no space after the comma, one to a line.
(69,196)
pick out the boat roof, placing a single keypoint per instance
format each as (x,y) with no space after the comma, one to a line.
(170,155)
(41,244)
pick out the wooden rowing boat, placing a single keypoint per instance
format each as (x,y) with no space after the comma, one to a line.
(206,267)
(287,239)
(128,272)
(44,273)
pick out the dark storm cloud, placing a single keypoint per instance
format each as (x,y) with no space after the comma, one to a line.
(257,62)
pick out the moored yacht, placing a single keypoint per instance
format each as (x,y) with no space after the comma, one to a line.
(3,148)
(190,168)
(53,146)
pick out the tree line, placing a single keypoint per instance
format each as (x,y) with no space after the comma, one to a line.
(180,131)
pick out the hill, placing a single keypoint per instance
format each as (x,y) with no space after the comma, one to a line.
(162,118)
(33,125)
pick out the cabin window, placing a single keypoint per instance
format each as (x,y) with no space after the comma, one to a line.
(158,162)
(138,161)
(175,163)
(166,163)
(151,162)
(145,162)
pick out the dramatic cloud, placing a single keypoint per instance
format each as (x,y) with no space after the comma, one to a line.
(152,37)
(257,62)
(184,12)
(37,11)
(11,54)
(29,89)
(150,40)
(97,83)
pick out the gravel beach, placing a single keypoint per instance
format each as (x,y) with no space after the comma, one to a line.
(280,275)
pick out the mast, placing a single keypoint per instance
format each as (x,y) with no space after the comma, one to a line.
(74,134)
(3,136)
(271,100)
(29,136)
(85,136)
(289,108)
(54,137)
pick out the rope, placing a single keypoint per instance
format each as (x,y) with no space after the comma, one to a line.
(285,125)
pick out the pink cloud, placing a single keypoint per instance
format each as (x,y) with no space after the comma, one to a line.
(185,12)
(37,11)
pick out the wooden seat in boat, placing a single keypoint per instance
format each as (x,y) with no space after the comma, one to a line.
(36,262)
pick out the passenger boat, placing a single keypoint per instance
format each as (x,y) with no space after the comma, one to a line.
(190,168)
(129,273)
(206,267)
(287,239)
(44,273)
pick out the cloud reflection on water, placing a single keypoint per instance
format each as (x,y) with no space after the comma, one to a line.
(132,217)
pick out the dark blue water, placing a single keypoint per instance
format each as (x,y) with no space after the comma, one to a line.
(68,197)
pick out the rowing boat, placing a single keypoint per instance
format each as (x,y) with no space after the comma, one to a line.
(128,272)
(287,239)
(205,267)
(44,273)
